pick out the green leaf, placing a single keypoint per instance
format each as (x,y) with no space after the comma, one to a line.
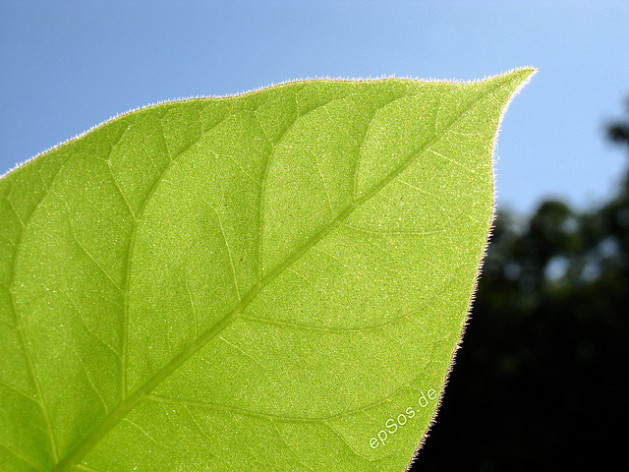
(271,282)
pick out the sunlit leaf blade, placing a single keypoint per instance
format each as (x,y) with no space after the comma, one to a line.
(270,282)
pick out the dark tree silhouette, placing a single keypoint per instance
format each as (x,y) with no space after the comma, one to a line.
(538,381)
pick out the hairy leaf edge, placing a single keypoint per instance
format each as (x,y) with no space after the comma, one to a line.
(532,72)
(273,85)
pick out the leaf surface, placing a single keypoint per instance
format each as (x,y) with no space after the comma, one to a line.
(276,281)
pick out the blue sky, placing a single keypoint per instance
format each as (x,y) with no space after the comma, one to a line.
(68,65)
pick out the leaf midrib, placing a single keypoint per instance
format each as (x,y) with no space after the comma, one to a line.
(133,400)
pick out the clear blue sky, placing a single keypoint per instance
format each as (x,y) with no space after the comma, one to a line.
(68,65)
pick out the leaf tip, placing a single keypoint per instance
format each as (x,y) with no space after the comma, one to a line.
(521,77)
